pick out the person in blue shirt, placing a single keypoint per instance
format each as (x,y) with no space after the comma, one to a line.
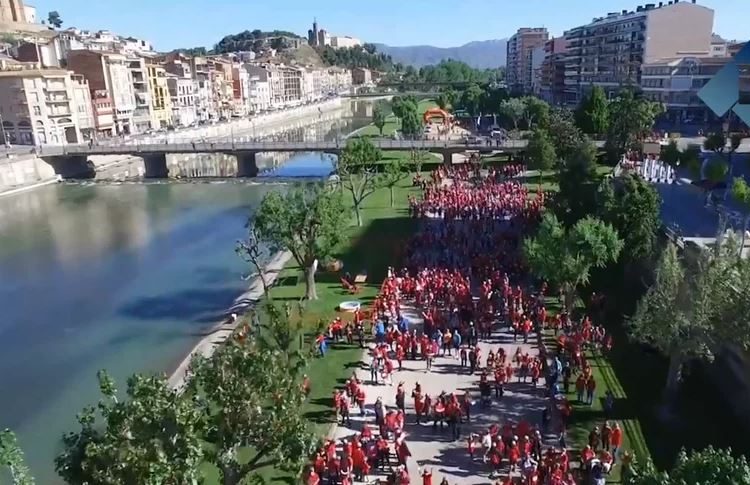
(456,340)
(380,332)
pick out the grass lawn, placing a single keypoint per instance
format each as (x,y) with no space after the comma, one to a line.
(392,123)
(585,417)
(371,249)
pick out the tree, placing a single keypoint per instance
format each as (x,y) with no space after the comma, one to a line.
(540,152)
(154,436)
(694,307)
(417,158)
(535,110)
(307,221)
(670,153)
(11,457)
(513,109)
(578,185)
(717,143)
(565,257)
(592,115)
(631,119)
(471,99)
(563,132)
(741,195)
(411,123)
(252,389)
(252,251)
(358,172)
(395,171)
(378,118)
(634,210)
(714,466)
(54,19)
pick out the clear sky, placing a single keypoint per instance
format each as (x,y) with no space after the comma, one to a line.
(187,23)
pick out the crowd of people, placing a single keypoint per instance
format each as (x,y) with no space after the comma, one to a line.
(463,272)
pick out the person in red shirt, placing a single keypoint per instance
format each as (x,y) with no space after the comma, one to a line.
(616,441)
(426,477)
(312,477)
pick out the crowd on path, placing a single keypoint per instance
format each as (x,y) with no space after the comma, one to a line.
(456,353)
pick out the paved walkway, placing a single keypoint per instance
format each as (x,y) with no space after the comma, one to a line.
(431,448)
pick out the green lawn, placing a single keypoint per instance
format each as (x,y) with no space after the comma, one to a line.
(585,417)
(370,248)
(392,123)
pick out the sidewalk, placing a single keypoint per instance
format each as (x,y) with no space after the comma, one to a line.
(432,448)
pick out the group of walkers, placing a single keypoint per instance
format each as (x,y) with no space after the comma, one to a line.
(463,273)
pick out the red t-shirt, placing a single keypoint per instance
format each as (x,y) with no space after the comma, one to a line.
(426,478)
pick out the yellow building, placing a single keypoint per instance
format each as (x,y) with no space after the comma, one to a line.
(161,103)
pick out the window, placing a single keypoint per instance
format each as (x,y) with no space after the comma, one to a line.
(37,111)
(35,97)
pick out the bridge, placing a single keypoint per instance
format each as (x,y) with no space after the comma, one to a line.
(71,161)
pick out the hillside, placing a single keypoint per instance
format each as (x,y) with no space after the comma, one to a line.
(480,54)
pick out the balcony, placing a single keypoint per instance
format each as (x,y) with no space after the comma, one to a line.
(57,99)
(59,112)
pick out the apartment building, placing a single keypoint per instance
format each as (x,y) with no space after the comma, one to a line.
(537,61)
(37,106)
(610,50)
(259,94)
(552,72)
(361,76)
(161,102)
(182,95)
(675,82)
(143,112)
(84,107)
(108,72)
(240,90)
(518,68)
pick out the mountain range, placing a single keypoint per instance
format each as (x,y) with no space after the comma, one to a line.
(480,54)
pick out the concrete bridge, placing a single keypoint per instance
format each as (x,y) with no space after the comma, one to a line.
(71,161)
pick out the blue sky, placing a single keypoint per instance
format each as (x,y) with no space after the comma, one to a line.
(186,23)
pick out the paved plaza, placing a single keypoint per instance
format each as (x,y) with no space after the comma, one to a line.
(431,448)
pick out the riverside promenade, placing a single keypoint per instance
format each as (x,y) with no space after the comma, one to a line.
(433,449)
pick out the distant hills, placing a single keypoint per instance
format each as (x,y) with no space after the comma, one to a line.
(481,54)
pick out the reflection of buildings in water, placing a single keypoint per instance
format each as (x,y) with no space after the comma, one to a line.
(107,218)
(202,165)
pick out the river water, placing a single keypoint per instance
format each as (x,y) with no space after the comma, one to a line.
(122,277)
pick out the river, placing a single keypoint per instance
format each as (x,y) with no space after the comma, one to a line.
(123,277)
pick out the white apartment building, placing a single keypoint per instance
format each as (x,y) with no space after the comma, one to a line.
(84,107)
(182,94)
(259,95)
(610,50)
(36,106)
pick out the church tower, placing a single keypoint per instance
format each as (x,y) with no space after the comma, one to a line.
(12,11)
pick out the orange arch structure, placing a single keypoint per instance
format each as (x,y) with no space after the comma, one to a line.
(437,113)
